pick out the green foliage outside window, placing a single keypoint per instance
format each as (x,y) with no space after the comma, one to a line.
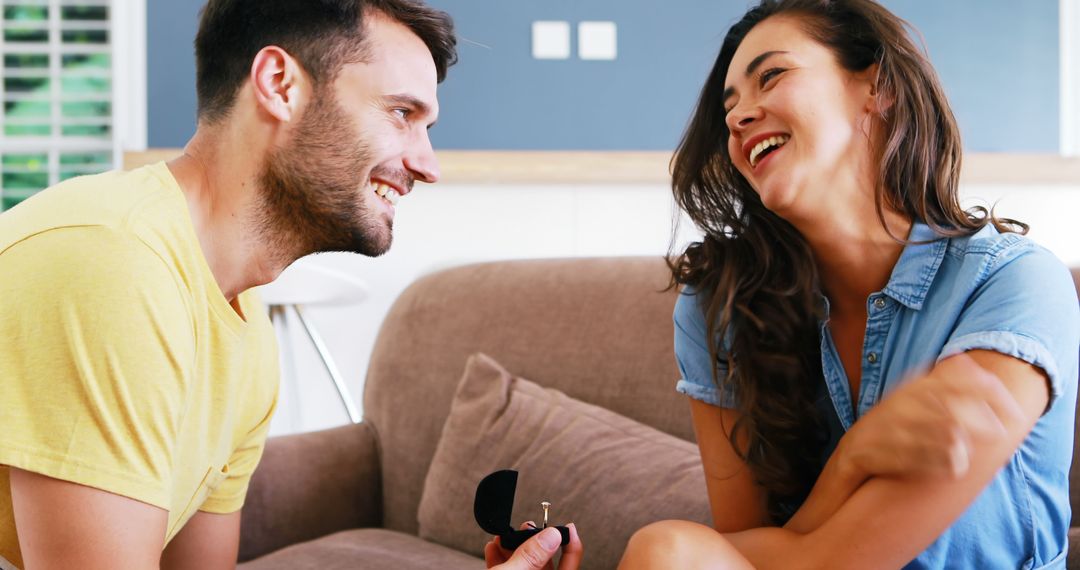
(84,87)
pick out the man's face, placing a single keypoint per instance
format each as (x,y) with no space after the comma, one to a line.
(357,149)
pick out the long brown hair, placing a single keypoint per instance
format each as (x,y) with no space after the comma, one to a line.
(754,273)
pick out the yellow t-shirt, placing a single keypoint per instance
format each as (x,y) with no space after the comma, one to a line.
(122,365)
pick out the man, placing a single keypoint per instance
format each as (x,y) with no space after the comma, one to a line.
(138,372)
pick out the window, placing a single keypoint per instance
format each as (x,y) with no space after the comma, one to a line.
(58,90)
(1070,77)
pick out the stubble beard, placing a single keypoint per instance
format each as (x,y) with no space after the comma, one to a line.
(311,194)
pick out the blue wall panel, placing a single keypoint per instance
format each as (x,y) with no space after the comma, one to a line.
(170,73)
(998,60)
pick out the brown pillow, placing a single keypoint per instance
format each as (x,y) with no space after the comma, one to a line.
(606,473)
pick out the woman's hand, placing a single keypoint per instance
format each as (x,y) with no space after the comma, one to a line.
(928,426)
(537,552)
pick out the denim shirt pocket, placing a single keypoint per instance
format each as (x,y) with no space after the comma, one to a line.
(1058,563)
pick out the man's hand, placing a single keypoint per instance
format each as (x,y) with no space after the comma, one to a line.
(537,552)
(929,426)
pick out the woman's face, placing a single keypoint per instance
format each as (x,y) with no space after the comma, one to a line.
(799,122)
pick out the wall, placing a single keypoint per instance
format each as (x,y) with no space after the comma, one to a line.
(440,226)
(170,71)
(998,60)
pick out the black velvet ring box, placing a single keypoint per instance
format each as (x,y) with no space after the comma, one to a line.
(492,506)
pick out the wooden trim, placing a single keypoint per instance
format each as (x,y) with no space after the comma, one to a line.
(1020,169)
(622,168)
(135,159)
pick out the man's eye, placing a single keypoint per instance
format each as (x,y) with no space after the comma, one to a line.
(769,74)
(402,112)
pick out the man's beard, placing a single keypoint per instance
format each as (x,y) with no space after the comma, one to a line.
(311,191)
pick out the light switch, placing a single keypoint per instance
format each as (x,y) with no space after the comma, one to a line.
(597,40)
(551,40)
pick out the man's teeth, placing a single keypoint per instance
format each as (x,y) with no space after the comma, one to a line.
(387,193)
(777,141)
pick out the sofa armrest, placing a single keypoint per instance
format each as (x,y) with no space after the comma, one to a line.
(310,485)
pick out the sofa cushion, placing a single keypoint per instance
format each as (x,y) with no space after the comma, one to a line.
(606,473)
(1072,560)
(365,548)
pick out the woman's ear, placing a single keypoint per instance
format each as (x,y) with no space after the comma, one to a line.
(276,80)
(879,97)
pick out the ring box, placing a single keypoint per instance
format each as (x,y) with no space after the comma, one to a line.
(492,509)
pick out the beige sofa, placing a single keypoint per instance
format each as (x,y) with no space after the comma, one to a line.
(598,330)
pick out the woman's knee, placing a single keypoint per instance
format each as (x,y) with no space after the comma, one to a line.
(680,544)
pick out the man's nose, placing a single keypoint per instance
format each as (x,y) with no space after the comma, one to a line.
(421,160)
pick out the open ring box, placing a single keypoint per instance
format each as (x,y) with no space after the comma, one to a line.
(492,509)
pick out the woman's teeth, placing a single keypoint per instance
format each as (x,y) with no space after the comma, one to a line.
(387,193)
(777,142)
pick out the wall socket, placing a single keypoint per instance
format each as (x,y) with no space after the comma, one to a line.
(597,40)
(550,40)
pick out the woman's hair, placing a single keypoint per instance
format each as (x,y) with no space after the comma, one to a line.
(754,273)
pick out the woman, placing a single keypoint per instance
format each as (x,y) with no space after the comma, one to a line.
(878,378)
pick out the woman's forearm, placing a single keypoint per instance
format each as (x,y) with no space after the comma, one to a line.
(772,547)
(895,518)
(838,481)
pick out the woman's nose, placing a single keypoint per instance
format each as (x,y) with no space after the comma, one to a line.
(742,116)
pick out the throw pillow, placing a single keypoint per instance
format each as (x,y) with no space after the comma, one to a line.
(606,473)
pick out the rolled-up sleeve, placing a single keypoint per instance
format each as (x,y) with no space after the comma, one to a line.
(1026,308)
(692,354)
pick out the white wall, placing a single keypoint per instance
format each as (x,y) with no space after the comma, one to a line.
(441,226)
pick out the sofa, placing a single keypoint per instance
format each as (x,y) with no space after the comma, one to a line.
(391,492)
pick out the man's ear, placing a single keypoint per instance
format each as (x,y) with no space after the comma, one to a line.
(277,80)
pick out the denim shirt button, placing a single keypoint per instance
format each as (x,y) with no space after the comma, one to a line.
(879,303)
(872,357)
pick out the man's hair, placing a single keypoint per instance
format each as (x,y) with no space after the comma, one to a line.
(323,35)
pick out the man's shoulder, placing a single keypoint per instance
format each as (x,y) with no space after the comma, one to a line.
(127,202)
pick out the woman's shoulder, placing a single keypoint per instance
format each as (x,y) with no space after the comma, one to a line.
(987,241)
(982,255)
(690,308)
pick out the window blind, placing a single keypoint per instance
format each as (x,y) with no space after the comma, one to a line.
(57,91)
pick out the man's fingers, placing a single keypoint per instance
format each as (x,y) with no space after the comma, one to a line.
(571,554)
(536,553)
(493,553)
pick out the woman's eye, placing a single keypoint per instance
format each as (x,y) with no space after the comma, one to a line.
(768,74)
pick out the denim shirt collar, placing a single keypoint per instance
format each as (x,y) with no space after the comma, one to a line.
(918,264)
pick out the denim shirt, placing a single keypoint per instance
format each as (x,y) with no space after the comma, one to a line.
(989,291)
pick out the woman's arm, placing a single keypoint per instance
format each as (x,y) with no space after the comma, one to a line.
(925,430)
(897,518)
(737,502)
